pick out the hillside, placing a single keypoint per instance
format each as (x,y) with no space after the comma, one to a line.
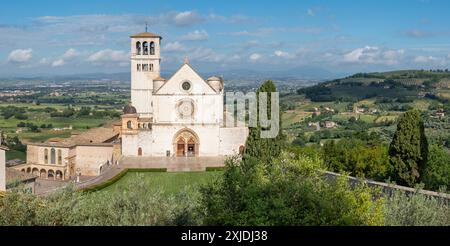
(396,85)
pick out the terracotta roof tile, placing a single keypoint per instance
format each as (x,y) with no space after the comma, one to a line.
(145,35)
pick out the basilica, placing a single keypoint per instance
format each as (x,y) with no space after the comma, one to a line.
(182,116)
(168,120)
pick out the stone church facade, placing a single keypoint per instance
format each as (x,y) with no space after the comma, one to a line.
(182,116)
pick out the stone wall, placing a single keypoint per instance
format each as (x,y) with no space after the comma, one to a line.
(90,158)
(385,187)
(231,139)
(2,170)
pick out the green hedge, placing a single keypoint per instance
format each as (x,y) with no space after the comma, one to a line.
(119,176)
(147,170)
(211,169)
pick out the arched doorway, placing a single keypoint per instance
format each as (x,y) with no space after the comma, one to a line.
(35,171)
(186,143)
(43,173)
(59,175)
(241,149)
(51,174)
(140,152)
(29,170)
(180,147)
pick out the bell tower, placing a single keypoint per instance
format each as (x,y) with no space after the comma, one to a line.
(145,67)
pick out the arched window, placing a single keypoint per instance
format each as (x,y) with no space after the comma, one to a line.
(52,156)
(152,48)
(145,46)
(59,157)
(129,126)
(151,67)
(139,125)
(46,156)
(138,48)
(140,151)
(139,67)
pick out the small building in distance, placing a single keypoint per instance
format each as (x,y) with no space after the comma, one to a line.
(86,154)
(329,124)
(439,114)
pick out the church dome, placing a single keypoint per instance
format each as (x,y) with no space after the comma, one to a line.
(215,83)
(129,109)
(213,78)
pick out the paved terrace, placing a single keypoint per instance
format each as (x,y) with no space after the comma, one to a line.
(173,164)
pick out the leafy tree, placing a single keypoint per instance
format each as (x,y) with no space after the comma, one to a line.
(20,116)
(437,171)
(357,158)
(300,140)
(84,111)
(408,150)
(21,124)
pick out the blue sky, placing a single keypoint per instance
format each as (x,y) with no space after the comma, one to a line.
(70,37)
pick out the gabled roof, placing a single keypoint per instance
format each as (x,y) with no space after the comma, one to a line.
(145,35)
(94,136)
(179,69)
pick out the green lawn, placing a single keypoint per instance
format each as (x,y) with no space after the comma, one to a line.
(170,183)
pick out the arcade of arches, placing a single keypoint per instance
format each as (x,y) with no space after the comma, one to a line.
(51,173)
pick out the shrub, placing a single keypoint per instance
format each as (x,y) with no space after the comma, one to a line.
(288,192)
(415,210)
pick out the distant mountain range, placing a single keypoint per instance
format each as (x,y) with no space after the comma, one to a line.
(302,73)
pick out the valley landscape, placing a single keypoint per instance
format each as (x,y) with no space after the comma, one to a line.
(97,132)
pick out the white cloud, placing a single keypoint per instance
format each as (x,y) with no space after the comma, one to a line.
(108,55)
(284,54)
(186,18)
(255,57)
(196,35)
(58,63)
(311,12)
(174,47)
(271,30)
(425,59)
(70,53)
(206,55)
(373,55)
(230,19)
(20,55)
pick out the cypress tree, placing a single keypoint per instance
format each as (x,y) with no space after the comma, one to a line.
(264,149)
(408,150)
